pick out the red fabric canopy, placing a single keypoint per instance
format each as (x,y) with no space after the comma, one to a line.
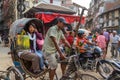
(48,17)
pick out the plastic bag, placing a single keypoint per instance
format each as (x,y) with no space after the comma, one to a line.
(23,41)
(40,43)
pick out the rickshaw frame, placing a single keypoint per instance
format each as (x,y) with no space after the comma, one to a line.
(15,28)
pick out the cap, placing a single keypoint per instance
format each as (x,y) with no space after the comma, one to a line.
(62,19)
(114,31)
(104,29)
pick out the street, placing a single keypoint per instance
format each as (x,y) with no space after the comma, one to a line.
(97,17)
(5,62)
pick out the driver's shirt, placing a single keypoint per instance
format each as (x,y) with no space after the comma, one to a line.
(49,46)
(80,43)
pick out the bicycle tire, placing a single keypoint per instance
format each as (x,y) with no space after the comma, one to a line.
(79,77)
(87,77)
(14,74)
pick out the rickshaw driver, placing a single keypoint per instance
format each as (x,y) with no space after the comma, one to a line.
(50,47)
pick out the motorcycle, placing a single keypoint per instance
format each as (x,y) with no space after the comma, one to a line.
(114,76)
(112,71)
(92,60)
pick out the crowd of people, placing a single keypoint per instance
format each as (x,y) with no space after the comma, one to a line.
(57,43)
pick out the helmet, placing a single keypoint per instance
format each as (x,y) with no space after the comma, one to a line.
(98,51)
(80,33)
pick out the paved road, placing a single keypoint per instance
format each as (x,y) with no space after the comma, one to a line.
(5,61)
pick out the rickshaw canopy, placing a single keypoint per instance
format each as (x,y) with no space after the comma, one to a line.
(20,24)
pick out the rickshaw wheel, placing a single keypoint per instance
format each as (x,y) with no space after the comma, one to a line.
(13,72)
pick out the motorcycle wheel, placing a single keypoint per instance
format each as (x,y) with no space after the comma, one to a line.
(114,76)
(104,68)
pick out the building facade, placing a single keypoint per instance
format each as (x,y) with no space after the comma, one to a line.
(71,5)
(104,14)
(96,8)
(7,14)
(1,16)
(110,20)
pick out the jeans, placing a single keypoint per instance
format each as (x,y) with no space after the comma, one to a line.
(40,54)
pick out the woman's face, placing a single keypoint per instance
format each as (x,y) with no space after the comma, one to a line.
(31,29)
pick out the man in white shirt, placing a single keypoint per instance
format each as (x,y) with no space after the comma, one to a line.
(114,44)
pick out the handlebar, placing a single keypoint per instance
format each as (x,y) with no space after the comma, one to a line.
(67,59)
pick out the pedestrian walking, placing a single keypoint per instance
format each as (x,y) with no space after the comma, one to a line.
(107,37)
(114,44)
(101,42)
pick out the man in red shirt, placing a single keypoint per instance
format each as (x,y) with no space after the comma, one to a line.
(70,38)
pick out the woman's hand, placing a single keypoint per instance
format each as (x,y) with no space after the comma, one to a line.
(36,30)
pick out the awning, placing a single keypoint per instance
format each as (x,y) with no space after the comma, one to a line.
(53,8)
(44,7)
(48,17)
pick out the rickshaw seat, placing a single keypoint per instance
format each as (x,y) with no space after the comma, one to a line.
(26,64)
(21,63)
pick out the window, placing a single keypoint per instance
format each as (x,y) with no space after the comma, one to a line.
(105,24)
(26,3)
(110,22)
(116,13)
(119,22)
(113,22)
(101,20)
(113,15)
(104,17)
(116,22)
(119,13)
(110,16)
(63,2)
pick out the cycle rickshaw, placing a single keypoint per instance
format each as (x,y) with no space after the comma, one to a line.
(22,65)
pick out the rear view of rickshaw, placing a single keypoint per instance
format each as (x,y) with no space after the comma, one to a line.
(19,41)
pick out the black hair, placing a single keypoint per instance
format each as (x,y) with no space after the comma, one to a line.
(32,25)
(28,25)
